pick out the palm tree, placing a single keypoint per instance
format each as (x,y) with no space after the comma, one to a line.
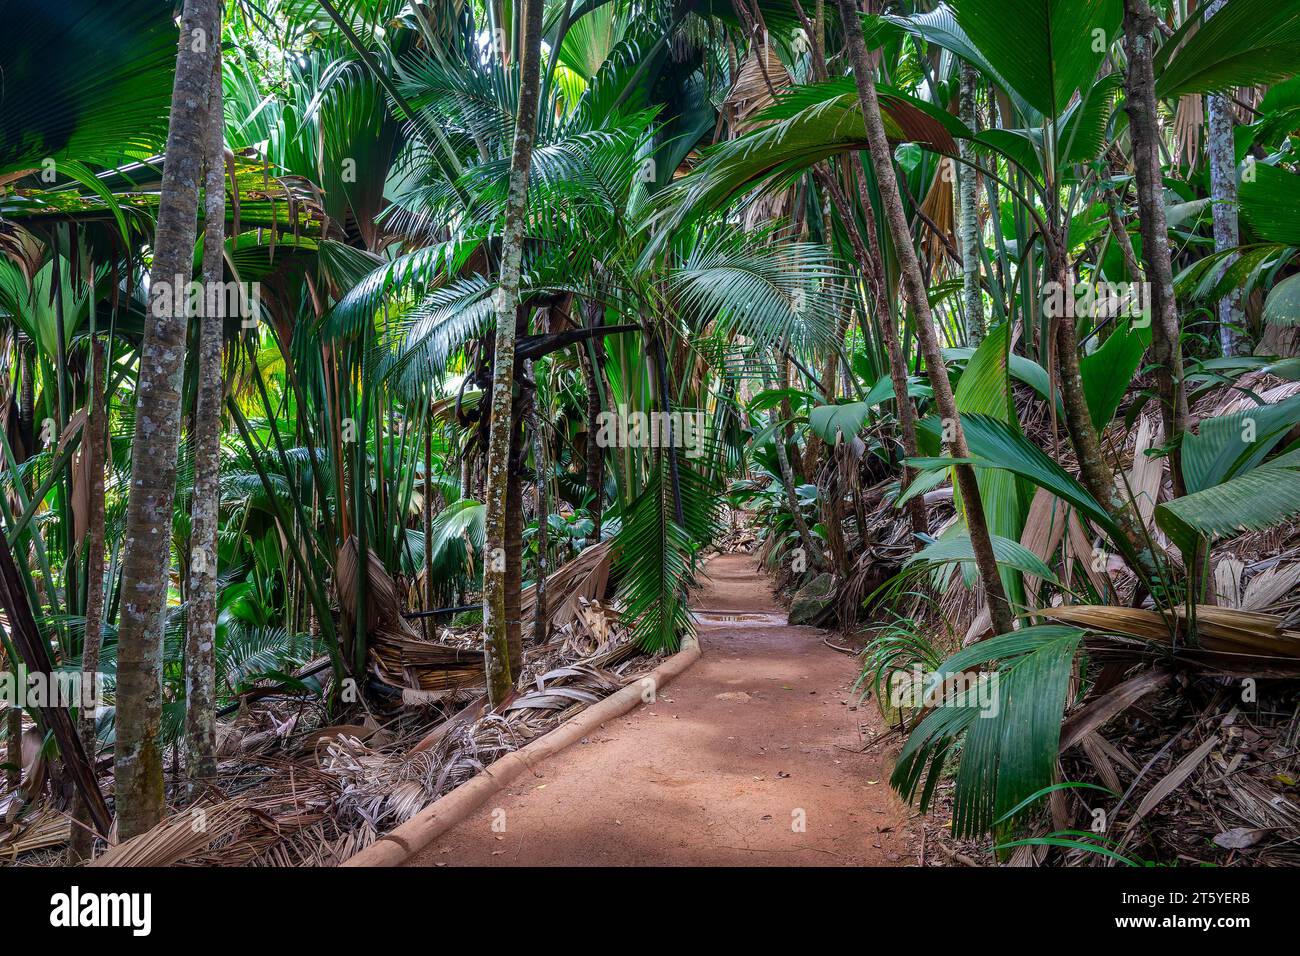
(502,654)
(138,771)
(201,618)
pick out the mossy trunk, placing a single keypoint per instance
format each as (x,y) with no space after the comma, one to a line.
(138,770)
(201,619)
(497,650)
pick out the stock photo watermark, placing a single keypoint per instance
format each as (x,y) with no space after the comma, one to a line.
(676,429)
(1099,300)
(917,688)
(60,689)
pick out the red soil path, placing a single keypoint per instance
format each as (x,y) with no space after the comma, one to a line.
(760,734)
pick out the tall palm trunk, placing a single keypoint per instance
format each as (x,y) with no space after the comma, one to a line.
(138,769)
(1166,349)
(914,288)
(201,620)
(83,835)
(496,639)
(514,544)
(968,221)
(430,588)
(594,453)
(1223,194)
(898,375)
(543,520)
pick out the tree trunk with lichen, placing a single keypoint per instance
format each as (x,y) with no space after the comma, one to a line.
(914,289)
(968,219)
(201,619)
(138,770)
(1166,348)
(514,545)
(496,636)
(1223,195)
(543,524)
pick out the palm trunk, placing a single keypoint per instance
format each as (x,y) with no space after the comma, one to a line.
(968,222)
(14,742)
(897,364)
(496,641)
(595,454)
(815,557)
(1166,349)
(82,842)
(430,590)
(1094,470)
(871,264)
(543,523)
(1223,195)
(138,769)
(914,288)
(1120,233)
(514,545)
(201,620)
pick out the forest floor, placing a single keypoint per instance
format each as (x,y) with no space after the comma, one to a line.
(754,756)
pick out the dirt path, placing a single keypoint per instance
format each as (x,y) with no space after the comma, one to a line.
(758,736)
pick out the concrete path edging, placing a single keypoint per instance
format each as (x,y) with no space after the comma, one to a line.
(437,818)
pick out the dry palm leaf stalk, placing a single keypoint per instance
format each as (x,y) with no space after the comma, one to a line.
(1226,639)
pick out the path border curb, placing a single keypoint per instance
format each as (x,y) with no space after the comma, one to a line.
(437,818)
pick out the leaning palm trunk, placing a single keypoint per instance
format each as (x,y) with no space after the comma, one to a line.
(1223,195)
(201,620)
(81,844)
(496,643)
(914,288)
(1166,349)
(874,263)
(968,222)
(138,769)
(1094,470)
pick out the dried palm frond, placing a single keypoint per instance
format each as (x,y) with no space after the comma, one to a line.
(400,656)
(178,836)
(1044,528)
(1226,639)
(1271,585)
(1147,475)
(585,577)
(1189,122)
(937,208)
(38,830)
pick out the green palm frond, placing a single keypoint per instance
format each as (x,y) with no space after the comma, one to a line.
(1007,721)
(655,553)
